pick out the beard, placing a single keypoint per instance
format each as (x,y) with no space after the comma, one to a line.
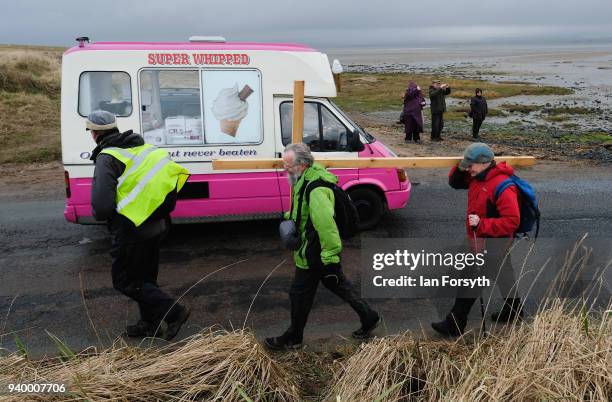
(293,178)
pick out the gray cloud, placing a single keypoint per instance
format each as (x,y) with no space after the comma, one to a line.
(319,23)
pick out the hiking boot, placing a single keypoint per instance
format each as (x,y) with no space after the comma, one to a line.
(175,325)
(283,342)
(511,310)
(365,331)
(452,325)
(141,329)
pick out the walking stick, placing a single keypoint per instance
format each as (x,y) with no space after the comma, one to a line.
(483,327)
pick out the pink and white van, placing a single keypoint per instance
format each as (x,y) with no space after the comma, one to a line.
(207,99)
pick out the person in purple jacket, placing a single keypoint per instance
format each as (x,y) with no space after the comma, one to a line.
(413,113)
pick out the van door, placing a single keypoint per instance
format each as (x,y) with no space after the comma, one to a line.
(325,132)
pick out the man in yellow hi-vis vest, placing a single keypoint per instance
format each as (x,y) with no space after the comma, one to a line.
(134,189)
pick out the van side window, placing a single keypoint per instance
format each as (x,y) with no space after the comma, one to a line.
(170,107)
(323,132)
(106,90)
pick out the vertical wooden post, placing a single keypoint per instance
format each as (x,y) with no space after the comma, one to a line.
(337,82)
(298,112)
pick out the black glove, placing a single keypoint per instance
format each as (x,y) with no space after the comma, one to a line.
(331,275)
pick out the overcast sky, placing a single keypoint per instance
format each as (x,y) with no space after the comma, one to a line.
(323,24)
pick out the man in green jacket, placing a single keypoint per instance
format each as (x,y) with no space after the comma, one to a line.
(318,257)
(437,97)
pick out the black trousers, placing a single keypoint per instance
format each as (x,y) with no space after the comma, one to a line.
(413,135)
(476,127)
(498,268)
(134,271)
(304,288)
(437,124)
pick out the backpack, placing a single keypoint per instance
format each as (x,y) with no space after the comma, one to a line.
(528,204)
(345,213)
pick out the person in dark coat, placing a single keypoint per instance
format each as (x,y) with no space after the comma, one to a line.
(437,96)
(134,249)
(478,111)
(413,113)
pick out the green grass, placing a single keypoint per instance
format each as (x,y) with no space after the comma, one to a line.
(597,137)
(565,113)
(557,118)
(525,109)
(571,126)
(368,92)
(569,110)
(455,113)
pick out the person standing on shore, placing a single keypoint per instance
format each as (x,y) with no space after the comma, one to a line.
(478,112)
(413,113)
(437,96)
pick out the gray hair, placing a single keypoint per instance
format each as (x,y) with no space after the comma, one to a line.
(302,153)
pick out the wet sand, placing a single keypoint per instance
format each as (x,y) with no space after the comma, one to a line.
(587,70)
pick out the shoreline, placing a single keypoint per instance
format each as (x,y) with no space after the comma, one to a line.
(574,126)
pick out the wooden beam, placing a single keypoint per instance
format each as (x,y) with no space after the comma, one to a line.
(298,112)
(415,163)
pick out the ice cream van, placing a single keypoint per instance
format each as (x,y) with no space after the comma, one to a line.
(207,99)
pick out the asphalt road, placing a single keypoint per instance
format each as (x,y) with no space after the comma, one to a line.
(55,276)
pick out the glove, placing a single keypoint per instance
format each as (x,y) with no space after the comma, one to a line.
(332,274)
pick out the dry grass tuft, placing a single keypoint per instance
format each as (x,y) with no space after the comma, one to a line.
(213,365)
(29,104)
(33,71)
(559,356)
(563,354)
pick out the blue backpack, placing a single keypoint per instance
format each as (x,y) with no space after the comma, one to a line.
(528,204)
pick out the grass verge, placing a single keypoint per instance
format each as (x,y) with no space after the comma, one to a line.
(368,92)
(29,104)
(563,353)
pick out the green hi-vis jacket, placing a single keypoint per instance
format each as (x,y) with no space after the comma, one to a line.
(149,176)
(321,244)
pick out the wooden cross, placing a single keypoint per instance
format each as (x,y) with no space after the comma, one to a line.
(298,128)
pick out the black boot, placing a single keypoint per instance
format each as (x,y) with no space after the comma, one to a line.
(176,323)
(512,310)
(366,328)
(453,325)
(286,341)
(141,329)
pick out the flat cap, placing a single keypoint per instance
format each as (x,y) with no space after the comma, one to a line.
(101,120)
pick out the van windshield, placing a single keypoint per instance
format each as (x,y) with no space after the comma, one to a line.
(368,137)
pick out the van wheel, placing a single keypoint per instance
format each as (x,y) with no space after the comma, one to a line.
(369,207)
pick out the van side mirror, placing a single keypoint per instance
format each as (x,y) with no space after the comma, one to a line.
(354,142)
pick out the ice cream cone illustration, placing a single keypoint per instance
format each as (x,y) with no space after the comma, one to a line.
(229,127)
(230,107)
